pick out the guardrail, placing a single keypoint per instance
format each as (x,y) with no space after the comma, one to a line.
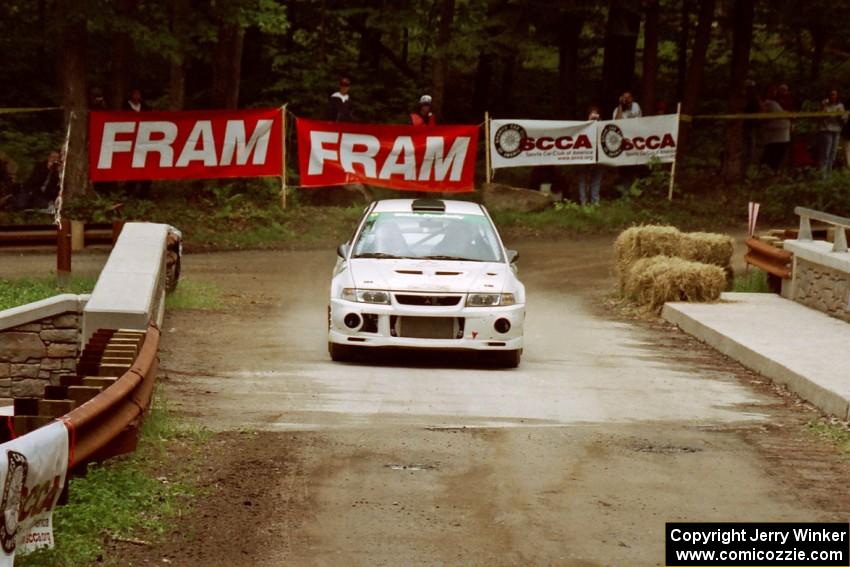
(839,242)
(47,235)
(772,260)
(108,424)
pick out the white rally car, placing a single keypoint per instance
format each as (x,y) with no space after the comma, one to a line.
(427,273)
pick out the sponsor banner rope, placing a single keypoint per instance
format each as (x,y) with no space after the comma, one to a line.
(25,110)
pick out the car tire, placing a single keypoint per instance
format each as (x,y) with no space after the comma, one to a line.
(340,353)
(508,358)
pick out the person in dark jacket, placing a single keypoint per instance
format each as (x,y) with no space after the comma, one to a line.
(339,104)
(135,103)
(40,189)
(423,116)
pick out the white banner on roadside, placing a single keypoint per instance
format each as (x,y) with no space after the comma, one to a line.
(637,141)
(518,143)
(32,475)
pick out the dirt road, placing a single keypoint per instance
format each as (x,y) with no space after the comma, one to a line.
(577,458)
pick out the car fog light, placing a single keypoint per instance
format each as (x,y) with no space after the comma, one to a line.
(502,325)
(352,320)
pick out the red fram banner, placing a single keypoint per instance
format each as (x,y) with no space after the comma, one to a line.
(204,144)
(438,158)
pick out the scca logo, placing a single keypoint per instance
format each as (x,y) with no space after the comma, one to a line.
(511,140)
(562,143)
(614,143)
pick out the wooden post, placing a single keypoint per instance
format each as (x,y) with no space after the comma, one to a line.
(63,251)
(673,167)
(283,156)
(487,146)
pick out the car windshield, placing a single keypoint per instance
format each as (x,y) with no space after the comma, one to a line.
(437,236)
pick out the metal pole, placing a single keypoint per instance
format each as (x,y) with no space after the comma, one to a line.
(63,251)
(487,145)
(283,156)
(673,167)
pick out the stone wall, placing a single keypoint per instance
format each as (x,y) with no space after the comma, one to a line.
(39,342)
(823,288)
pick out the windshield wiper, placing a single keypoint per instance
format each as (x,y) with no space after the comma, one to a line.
(378,255)
(458,258)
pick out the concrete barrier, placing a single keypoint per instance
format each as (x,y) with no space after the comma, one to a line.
(130,292)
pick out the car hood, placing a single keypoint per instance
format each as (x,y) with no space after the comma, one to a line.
(428,275)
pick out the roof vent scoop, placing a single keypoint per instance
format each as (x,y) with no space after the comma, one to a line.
(433,205)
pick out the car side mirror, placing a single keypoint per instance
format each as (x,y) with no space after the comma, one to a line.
(342,250)
(513,256)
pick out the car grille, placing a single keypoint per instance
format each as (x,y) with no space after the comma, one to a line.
(429,327)
(435,300)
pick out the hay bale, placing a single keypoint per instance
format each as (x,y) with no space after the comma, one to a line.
(653,281)
(707,247)
(644,242)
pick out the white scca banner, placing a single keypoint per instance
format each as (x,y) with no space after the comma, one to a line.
(516,143)
(636,141)
(32,475)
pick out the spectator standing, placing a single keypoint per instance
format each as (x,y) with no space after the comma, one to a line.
(627,108)
(140,189)
(423,116)
(96,100)
(135,103)
(41,188)
(590,177)
(829,132)
(339,104)
(775,133)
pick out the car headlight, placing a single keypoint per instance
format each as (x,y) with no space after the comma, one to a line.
(366,295)
(489,299)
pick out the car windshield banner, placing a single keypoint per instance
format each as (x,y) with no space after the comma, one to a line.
(516,143)
(636,141)
(205,144)
(438,158)
(32,475)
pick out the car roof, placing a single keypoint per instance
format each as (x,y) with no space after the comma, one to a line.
(406,205)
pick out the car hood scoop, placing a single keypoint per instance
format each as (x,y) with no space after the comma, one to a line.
(428,275)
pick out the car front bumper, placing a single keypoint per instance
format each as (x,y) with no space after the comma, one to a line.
(477,324)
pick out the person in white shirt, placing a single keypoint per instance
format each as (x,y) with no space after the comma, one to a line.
(829,132)
(627,108)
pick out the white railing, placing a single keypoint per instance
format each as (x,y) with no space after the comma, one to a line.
(839,243)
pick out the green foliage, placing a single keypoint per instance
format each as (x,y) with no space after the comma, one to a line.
(752,281)
(194,295)
(20,291)
(833,431)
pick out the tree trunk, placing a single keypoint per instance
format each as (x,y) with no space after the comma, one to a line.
(227,65)
(121,56)
(71,27)
(481,84)
(572,21)
(696,68)
(618,66)
(505,102)
(742,39)
(442,55)
(180,11)
(650,55)
(682,49)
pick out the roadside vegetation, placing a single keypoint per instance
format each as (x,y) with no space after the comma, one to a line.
(832,430)
(191,294)
(752,281)
(128,499)
(20,291)
(248,215)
